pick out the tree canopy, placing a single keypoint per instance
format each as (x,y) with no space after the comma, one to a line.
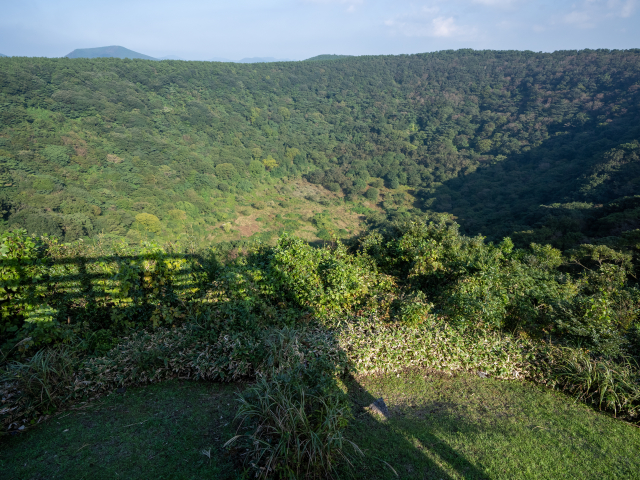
(543,145)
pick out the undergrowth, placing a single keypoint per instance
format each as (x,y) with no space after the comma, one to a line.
(79,322)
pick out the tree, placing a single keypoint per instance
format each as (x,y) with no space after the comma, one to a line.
(179,215)
(484,145)
(270,163)
(149,222)
(57,154)
(255,114)
(292,153)
(284,111)
(256,168)
(226,171)
(372,194)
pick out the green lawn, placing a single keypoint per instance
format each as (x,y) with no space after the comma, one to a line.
(468,427)
(155,432)
(440,427)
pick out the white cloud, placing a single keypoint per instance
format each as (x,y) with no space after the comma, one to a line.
(579,18)
(429,22)
(590,13)
(444,27)
(625,9)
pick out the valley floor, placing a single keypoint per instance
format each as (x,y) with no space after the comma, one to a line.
(440,427)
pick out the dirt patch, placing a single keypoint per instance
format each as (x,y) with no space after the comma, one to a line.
(247,225)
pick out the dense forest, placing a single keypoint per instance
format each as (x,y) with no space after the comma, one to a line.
(542,147)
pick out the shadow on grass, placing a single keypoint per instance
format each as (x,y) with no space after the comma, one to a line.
(392,449)
(171,431)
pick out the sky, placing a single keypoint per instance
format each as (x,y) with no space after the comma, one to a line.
(299,29)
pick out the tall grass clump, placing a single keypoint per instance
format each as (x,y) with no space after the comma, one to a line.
(293,434)
(39,385)
(611,385)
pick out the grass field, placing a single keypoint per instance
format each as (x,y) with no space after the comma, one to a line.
(440,427)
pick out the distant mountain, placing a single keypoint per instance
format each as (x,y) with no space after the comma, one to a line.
(263,60)
(220,59)
(318,58)
(170,57)
(103,52)
(1,55)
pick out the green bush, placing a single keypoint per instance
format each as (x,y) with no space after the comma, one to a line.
(55,292)
(535,290)
(328,281)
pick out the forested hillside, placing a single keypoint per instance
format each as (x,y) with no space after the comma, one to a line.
(413,158)
(543,147)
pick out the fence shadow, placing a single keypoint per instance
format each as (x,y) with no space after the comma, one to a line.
(98,290)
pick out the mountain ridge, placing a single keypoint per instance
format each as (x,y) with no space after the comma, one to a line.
(262,60)
(327,56)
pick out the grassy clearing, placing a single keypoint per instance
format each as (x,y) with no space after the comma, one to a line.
(267,209)
(440,427)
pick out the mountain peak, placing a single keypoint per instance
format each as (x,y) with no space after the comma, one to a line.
(114,51)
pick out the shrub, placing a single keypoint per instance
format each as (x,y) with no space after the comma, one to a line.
(412,309)
(328,281)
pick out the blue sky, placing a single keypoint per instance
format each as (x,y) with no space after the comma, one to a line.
(298,29)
